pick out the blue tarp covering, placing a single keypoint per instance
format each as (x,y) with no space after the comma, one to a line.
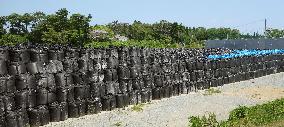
(240,53)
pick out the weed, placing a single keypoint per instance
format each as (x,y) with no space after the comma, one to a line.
(243,116)
(138,108)
(118,124)
(204,121)
(211,91)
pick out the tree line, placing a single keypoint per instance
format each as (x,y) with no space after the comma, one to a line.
(75,29)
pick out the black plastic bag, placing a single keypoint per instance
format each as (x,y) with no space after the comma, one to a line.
(132,97)
(25,81)
(73,110)
(32,68)
(17,68)
(31,101)
(34,117)
(2,85)
(134,72)
(42,81)
(2,106)
(123,85)
(123,72)
(119,100)
(101,76)
(61,94)
(126,99)
(23,119)
(19,55)
(56,54)
(42,67)
(63,79)
(112,62)
(3,67)
(4,54)
(112,87)
(103,64)
(81,107)
(112,102)
(9,102)
(94,106)
(51,97)
(63,106)
(7,84)
(11,119)
(2,121)
(94,90)
(59,66)
(79,92)
(139,98)
(10,84)
(166,91)
(21,99)
(70,94)
(93,76)
(108,75)
(114,75)
(52,66)
(82,65)
(106,103)
(158,80)
(156,93)
(37,55)
(51,85)
(102,89)
(55,113)
(44,115)
(144,96)
(78,78)
(91,106)
(42,97)
(71,53)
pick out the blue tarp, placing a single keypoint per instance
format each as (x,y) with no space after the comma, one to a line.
(240,53)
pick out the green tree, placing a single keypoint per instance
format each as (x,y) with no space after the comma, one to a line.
(11,39)
(80,23)
(16,25)
(2,25)
(27,20)
(59,28)
(275,33)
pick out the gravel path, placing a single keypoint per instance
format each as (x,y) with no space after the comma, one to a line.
(174,112)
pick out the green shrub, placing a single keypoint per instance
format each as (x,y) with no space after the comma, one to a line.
(245,116)
(133,43)
(204,121)
(11,39)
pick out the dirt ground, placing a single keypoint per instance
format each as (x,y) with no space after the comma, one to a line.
(263,93)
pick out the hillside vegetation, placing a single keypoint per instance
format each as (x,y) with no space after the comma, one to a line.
(74,29)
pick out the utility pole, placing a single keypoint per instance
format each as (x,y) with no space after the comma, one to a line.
(265,27)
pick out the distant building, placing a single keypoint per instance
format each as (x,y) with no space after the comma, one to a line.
(120,38)
(95,34)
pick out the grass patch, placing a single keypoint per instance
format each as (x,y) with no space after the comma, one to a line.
(118,124)
(260,115)
(211,91)
(138,108)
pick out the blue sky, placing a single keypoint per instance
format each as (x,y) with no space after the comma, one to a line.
(249,15)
